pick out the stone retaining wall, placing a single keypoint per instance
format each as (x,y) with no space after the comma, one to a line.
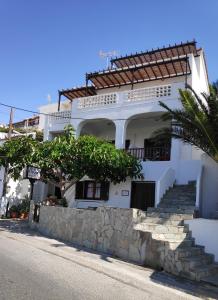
(110,230)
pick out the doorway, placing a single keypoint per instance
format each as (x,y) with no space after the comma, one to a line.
(142,194)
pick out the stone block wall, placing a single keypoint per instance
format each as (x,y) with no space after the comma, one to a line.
(110,230)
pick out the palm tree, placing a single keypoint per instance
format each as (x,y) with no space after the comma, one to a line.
(197,122)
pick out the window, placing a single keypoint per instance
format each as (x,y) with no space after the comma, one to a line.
(92,190)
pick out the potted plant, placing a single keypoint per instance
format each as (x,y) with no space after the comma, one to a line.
(50,200)
(24,208)
(13,211)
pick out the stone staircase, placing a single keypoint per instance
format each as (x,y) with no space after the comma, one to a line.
(172,242)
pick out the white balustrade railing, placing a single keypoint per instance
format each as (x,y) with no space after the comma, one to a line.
(148,93)
(98,100)
(61,117)
(130,96)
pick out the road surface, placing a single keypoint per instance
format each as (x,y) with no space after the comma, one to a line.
(36,267)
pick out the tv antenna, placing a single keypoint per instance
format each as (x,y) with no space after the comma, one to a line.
(108,55)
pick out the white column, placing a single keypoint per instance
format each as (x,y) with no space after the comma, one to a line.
(77,125)
(175,150)
(47,135)
(120,137)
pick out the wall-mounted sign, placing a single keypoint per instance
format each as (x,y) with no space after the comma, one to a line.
(33,173)
(124,193)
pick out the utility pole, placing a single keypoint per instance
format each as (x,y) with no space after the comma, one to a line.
(6,166)
(11,123)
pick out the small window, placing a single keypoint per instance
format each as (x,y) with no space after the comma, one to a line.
(92,190)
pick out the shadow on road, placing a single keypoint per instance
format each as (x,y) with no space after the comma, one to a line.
(194,288)
(19,226)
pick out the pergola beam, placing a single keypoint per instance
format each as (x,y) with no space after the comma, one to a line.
(107,78)
(127,60)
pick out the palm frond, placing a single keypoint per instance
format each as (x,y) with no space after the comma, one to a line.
(197,122)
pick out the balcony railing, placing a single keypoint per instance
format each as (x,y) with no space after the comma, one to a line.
(98,100)
(151,153)
(148,93)
(105,100)
(61,117)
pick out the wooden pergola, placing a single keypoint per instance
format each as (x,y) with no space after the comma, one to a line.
(161,63)
(177,50)
(76,92)
(166,68)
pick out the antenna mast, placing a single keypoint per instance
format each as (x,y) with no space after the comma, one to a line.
(108,55)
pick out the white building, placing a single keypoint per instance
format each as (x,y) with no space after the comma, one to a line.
(17,190)
(121,104)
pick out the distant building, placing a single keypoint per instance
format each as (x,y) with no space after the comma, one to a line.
(27,123)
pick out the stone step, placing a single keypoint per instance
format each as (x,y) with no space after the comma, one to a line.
(189,251)
(178,202)
(179,206)
(163,221)
(192,262)
(170,210)
(179,197)
(174,244)
(179,237)
(170,216)
(159,228)
(204,271)
(184,186)
(183,191)
(213,280)
(187,201)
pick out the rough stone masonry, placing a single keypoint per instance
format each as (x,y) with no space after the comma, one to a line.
(106,229)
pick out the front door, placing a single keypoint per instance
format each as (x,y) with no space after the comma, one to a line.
(142,195)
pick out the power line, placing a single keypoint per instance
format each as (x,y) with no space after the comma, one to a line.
(36,112)
(64,117)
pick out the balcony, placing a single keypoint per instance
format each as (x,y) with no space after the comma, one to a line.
(112,99)
(58,120)
(151,153)
(123,105)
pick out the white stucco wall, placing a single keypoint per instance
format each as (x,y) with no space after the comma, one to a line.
(209,199)
(1,180)
(205,233)
(50,108)
(115,197)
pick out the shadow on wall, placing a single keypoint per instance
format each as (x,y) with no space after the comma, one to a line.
(16,192)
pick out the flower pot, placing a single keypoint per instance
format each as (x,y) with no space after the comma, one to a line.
(24,215)
(14,214)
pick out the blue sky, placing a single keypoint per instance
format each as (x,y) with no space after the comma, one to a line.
(48,45)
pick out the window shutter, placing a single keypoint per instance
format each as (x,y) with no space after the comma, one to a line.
(79,190)
(105,190)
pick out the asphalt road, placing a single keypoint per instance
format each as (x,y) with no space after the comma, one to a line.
(36,267)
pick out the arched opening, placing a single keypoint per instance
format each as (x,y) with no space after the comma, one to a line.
(140,137)
(101,128)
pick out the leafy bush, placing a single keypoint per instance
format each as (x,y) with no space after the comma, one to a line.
(24,206)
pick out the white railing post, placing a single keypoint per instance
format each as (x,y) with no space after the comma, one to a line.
(198,187)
